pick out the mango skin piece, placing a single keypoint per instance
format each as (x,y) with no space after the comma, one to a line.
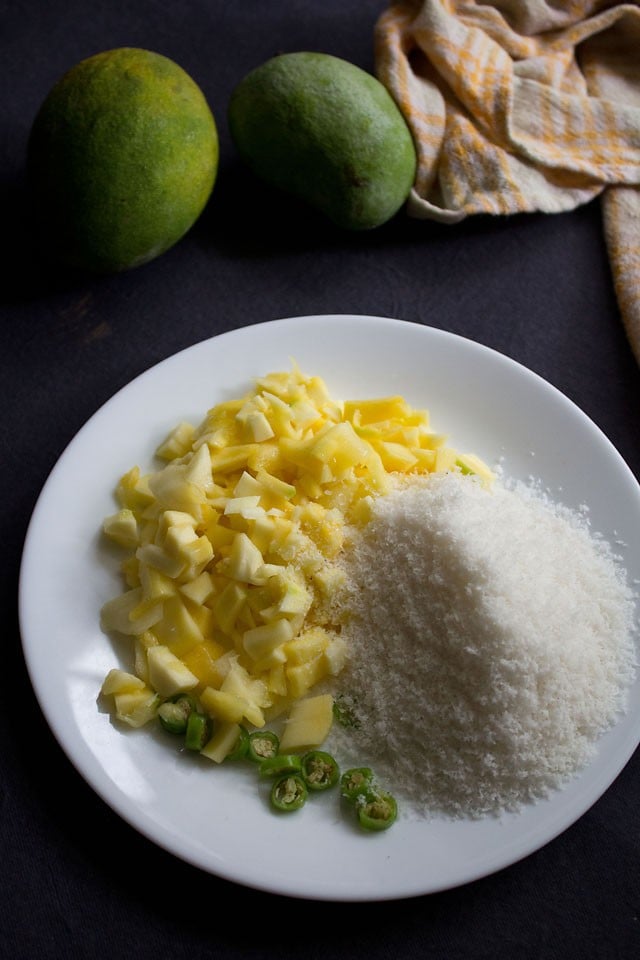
(327,132)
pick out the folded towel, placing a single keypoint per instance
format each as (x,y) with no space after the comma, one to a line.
(519,107)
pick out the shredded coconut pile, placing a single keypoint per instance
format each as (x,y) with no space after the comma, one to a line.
(491,644)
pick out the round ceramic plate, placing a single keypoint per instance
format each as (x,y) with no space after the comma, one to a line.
(211,816)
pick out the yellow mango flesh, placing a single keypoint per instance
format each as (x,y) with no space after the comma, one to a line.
(233,546)
(308,724)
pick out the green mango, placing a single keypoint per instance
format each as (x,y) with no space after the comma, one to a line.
(327,132)
(122,159)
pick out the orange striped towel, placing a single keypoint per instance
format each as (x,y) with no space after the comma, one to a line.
(523,106)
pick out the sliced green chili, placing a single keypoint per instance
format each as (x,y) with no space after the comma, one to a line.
(289,793)
(174,713)
(320,770)
(197,732)
(278,766)
(344,712)
(263,745)
(241,747)
(377,810)
(355,783)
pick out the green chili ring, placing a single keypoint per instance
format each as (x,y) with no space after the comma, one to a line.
(239,751)
(278,766)
(263,745)
(320,770)
(174,713)
(197,732)
(288,793)
(356,782)
(377,810)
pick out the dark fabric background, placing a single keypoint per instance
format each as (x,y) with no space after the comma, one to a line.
(76,881)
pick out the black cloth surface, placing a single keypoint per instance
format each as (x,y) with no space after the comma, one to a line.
(75,880)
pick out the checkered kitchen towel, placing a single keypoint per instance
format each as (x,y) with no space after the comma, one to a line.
(523,105)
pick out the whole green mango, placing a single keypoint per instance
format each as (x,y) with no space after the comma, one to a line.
(122,159)
(327,132)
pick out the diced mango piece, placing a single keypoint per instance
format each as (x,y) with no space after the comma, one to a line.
(220,537)
(131,571)
(153,555)
(154,583)
(445,459)
(297,451)
(129,613)
(241,684)
(335,655)
(222,742)
(432,441)
(268,530)
(198,554)
(340,448)
(168,675)
(277,681)
(174,491)
(307,645)
(178,539)
(247,507)
(198,470)
(469,463)
(122,527)
(230,708)
(228,605)
(177,630)
(301,677)
(140,646)
(257,427)
(261,640)
(133,492)
(308,723)
(119,681)
(305,413)
(279,414)
(244,559)
(328,579)
(221,667)
(375,410)
(309,486)
(276,658)
(199,589)
(177,443)
(296,597)
(146,613)
(136,708)
(395,456)
(248,486)
(231,458)
(173,518)
(201,661)
(203,618)
(425,459)
(274,485)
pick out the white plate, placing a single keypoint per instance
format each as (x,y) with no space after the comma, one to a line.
(212,817)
